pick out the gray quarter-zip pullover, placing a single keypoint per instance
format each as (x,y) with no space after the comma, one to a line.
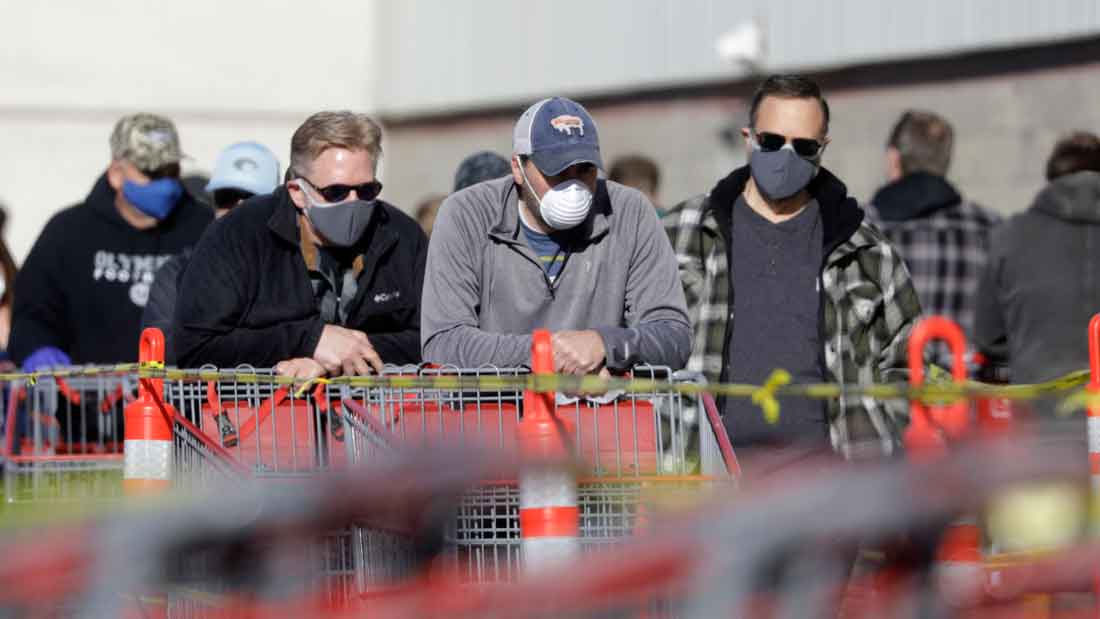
(485,290)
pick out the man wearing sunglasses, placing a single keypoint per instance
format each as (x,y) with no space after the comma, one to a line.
(781,271)
(553,246)
(320,277)
(80,295)
(242,170)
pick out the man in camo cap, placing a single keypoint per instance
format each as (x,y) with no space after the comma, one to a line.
(80,294)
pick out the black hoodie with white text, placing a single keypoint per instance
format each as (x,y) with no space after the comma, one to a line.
(87,278)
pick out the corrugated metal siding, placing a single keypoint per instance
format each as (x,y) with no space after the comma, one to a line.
(438,55)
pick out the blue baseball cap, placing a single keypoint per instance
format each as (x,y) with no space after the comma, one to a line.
(557,133)
(247,166)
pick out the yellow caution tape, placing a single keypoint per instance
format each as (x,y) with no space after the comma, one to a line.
(765,396)
(778,385)
(1078,401)
(309,384)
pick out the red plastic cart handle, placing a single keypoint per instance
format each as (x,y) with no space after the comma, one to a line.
(151,346)
(1094,353)
(930,425)
(540,405)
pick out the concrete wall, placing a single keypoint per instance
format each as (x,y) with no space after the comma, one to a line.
(224,71)
(1005,128)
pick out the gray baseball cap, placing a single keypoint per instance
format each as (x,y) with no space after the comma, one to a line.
(146,140)
(557,133)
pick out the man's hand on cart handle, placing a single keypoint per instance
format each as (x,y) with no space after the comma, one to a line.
(46,357)
(348,352)
(303,368)
(578,352)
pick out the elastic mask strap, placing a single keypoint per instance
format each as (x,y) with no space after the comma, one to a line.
(527,183)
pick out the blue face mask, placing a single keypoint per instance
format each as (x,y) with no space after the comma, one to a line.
(155,198)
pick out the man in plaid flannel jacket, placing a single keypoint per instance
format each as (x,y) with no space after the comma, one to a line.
(944,239)
(867,302)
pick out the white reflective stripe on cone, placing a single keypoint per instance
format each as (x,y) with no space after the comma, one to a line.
(145,459)
(961,583)
(1093,425)
(1094,434)
(543,552)
(547,487)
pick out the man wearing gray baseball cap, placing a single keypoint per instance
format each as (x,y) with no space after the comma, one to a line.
(80,294)
(553,246)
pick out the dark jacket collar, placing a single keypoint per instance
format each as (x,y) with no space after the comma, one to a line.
(507,228)
(914,195)
(840,214)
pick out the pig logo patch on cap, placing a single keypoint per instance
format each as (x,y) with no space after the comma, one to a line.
(566,123)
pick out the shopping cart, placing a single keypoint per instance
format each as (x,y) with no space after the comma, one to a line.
(62,437)
(271,430)
(633,446)
(243,429)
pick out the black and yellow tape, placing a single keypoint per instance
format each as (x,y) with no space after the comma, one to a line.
(938,391)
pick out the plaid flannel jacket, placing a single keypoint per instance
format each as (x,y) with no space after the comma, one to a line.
(868,305)
(946,250)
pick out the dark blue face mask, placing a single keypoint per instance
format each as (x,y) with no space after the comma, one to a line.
(155,198)
(780,174)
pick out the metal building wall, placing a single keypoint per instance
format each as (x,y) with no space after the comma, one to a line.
(439,56)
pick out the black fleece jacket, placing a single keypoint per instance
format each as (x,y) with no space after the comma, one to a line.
(246,296)
(87,278)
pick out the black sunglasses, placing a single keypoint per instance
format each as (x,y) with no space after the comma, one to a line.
(228,198)
(168,170)
(337,193)
(771,142)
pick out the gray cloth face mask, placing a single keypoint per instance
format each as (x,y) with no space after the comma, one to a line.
(341,224)
(782,173)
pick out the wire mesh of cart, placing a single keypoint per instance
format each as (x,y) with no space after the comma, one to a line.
(62,437)
(639,450)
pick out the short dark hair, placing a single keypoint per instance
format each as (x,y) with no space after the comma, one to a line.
(924,140)
(1074,153)
(632,169)
(480,166)
(788,87)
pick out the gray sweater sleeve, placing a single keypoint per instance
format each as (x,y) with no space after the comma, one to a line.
(657,328)
(449,332)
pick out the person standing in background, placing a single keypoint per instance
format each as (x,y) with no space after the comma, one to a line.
(8,271)
(1040,287)
(243,170)
(426,211)
(943,238)
(641,173)
(81,292)
(479,167)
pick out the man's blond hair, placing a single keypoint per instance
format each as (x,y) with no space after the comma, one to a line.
(340,129)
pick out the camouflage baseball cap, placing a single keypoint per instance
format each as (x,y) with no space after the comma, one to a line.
(146,140)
